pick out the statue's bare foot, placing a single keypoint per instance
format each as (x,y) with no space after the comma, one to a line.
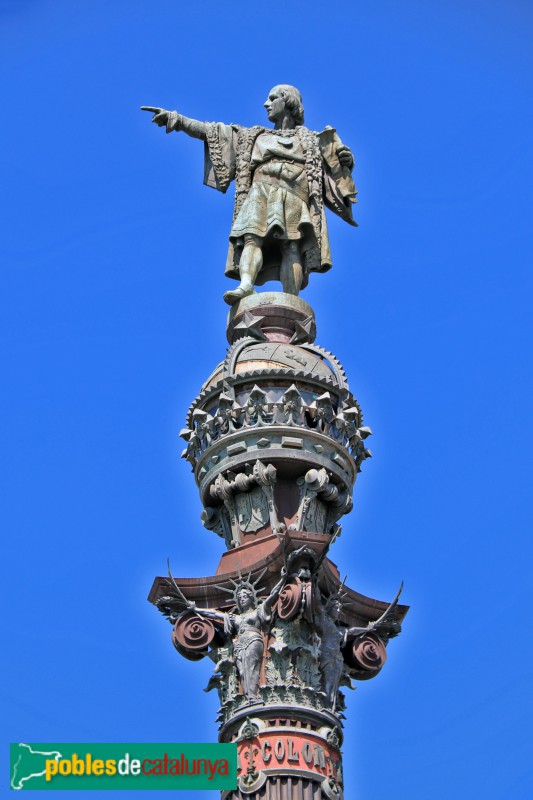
(237,294)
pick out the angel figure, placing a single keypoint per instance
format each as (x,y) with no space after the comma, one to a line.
(245,626)
(333,637)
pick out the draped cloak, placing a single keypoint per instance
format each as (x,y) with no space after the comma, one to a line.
(276,208)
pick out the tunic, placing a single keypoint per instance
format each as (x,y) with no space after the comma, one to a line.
(277,205)
(282,183)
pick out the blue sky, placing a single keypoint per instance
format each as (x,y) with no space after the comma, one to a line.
(112,278)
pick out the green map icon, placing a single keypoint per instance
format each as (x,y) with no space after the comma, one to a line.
(28,764)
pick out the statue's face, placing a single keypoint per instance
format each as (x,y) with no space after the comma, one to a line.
(304,573)
(275,104)
(244,598)
(335,608)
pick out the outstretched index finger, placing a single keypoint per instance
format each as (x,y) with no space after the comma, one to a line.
(152,109)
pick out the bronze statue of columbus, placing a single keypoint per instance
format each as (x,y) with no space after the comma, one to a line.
(284,176)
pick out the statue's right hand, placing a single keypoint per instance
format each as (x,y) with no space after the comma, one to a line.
(160,115)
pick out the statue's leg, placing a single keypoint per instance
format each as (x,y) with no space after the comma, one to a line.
(249,266)
(291,272)
(254,656)
(240,663)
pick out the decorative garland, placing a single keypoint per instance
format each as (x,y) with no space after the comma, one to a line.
(243,166)
(215,152)
(313,170)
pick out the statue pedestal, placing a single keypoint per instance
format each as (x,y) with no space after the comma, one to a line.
(272,317)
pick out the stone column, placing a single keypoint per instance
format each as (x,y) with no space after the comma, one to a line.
(276,440)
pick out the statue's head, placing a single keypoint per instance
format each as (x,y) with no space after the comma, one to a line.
(245,592)
(245,597)
(302,563)
(283,98)
(334,606)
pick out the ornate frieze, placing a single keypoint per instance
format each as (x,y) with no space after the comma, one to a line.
(289,752)
(240,408)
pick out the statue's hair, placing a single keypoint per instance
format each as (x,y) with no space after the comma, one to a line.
(245,583)
(293,101)
(336,597)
